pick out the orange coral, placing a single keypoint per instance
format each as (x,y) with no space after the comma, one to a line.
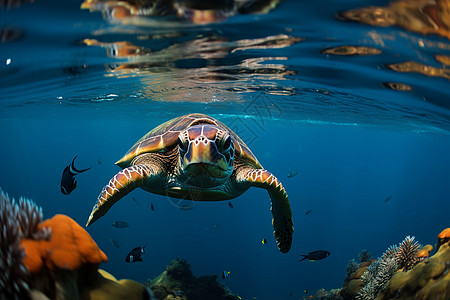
(69,247)
(429,248)
(444,234)
(422,254)
(443,237)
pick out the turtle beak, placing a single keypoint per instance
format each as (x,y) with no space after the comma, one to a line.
(204,159)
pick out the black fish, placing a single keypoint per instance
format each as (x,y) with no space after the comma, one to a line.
(387,199)
(152,207)
(230,204)
(68,182)
(308,212)
(135,254)
(120,224)
(316,255)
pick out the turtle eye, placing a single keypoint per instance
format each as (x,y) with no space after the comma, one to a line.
(181,145)
(226,144)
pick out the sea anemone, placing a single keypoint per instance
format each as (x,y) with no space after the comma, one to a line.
(351,267)
(378,275)
(391,251)
(406,253)
(30,215)
(365,256)
(13,274)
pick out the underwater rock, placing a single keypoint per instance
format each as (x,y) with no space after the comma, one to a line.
(53,259)
(178,282)
(104,286)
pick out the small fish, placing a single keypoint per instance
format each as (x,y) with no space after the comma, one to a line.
(264,241)
(230,204)
(134,199)
(68,182)
(292,173)
(120,224)
(152,207)
(115,243)
(308,212)
(316,255)
(225,274)
(99,160)
(135,254)
(387,199)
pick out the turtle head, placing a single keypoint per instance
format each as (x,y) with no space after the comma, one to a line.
(206,154)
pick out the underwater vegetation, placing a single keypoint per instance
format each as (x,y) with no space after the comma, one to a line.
(178,282)
(404,271)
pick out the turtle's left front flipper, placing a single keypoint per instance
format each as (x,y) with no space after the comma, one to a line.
(281,208)
(120,185)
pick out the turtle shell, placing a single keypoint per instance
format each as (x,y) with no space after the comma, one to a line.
(164,138)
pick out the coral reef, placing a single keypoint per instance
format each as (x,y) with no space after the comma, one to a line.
(372,276)
(406,253)
(377,275)
(427,280)
(364,256)
(178,282)
(322,294)
(53,259)
(403,272)
(351,267)
(443,237)
(69,248)
(13,274)
(402,257)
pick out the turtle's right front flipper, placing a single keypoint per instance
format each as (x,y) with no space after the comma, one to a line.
(120,185)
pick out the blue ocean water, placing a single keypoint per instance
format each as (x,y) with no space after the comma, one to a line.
(353,141)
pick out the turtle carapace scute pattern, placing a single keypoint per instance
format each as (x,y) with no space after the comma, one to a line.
(196,157)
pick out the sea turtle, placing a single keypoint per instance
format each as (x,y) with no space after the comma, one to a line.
(196,157)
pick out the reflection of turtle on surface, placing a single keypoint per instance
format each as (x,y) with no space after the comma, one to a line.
(195,11)
(199,158)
